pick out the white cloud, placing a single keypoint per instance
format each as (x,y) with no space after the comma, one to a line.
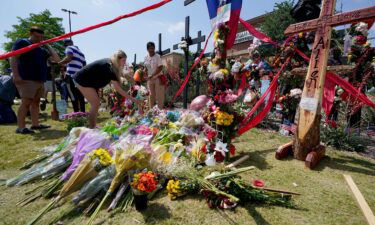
(172,28)
(97,2)
(176,27)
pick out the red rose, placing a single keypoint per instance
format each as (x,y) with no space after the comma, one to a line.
(204,149)
(219,157)
(232,150)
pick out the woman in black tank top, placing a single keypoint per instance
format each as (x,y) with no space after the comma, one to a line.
(97,75)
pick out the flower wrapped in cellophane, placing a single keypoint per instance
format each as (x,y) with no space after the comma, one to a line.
(131,154)
(87,169)
(53,164)
(90,140)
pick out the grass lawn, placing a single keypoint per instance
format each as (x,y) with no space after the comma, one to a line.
(325,197)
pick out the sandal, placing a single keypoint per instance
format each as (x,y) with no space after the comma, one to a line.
(40,127)
(24,131)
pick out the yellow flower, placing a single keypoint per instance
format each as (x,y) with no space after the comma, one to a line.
(216,35)
(172,125)
(224,71)
(223,118)
(103,156)
(166,157)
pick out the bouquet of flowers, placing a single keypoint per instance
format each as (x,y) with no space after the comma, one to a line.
(88,169)
(142,185)
(76,119)
(139,92)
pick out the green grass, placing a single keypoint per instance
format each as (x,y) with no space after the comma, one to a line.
(325,197)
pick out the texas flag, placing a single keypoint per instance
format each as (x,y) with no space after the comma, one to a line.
(224,10)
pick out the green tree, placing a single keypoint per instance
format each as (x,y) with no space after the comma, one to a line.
(51,25)
(278,20)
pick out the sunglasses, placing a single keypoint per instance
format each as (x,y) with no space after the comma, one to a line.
(37,31)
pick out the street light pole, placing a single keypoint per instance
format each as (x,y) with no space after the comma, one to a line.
(70,22)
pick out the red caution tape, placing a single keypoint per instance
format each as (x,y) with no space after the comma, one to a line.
(62,37)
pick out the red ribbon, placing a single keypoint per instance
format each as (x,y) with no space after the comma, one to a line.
(258,118)
(242,86)
(257,33)
(191,69)
(62,37)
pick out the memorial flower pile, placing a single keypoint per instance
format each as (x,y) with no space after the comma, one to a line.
(180,147)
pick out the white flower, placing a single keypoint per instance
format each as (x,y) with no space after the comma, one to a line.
(210,160)
(217,76)
(221,147)
(212,68)
(362,27)
(295,92)
(236,67)
(183,45)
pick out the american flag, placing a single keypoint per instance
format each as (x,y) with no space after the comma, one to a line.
(285,127)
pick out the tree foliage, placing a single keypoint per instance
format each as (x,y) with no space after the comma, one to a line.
(51,25)
(278,20)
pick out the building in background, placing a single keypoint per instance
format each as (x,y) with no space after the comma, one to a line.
(244,38)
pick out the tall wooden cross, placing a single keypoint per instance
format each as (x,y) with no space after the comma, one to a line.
(306,145)
(160,51)
(189,42)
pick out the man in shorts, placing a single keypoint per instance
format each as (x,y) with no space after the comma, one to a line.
(29,74)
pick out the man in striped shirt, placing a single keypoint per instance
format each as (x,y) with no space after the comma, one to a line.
(74,60)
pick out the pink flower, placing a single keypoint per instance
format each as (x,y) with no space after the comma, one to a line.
(258,183)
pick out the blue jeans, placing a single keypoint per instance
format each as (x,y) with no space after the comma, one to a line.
(61,86)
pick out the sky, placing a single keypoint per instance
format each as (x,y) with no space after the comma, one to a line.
(132,34)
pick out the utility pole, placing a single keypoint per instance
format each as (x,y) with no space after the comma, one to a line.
(70,21)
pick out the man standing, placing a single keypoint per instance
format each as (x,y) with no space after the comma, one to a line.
(154,67)
(29,74)
(75,60)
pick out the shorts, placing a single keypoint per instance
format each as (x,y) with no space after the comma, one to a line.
(48,86)
(30,89)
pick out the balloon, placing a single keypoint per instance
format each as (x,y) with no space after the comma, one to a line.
(199,103)
(137,76)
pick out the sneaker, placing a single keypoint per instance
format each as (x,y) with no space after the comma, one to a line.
(24,131)
(40,127)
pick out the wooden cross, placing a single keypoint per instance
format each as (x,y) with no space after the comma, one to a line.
(306,145)
(161,52)
(189,42)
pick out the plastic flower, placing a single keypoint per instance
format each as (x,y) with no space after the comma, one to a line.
(221,147)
